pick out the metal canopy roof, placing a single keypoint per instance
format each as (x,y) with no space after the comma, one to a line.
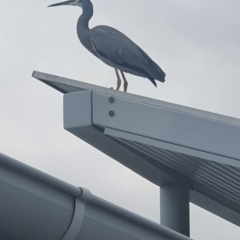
(165,143)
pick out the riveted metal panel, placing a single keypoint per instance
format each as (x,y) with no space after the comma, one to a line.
(168,126)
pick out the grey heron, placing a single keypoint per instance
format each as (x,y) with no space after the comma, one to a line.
(114,48)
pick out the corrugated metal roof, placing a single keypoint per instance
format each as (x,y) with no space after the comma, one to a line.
(222,178)
(205,150)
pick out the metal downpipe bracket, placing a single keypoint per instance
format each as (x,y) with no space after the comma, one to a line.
(78,216)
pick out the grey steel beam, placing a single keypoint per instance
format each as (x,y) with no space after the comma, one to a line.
(34,205)
(174,208)
(66,85)
(192,133)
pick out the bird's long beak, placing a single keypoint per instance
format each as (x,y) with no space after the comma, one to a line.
(61,4)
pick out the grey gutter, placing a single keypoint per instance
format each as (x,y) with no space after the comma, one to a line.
(34,205)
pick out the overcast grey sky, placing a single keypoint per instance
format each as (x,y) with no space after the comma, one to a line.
(197,43)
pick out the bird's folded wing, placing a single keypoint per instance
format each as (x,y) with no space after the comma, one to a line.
(116,47)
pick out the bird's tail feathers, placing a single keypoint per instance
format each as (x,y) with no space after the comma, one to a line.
(152,80)
(159,73)
(156,72)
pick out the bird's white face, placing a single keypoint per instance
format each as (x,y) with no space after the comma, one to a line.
(76,3)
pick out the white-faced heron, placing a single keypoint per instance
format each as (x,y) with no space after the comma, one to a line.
(114,48)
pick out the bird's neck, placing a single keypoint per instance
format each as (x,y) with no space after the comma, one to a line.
(87,13)
(83,30)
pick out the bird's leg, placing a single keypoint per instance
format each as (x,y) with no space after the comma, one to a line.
(118,80)
(125,82)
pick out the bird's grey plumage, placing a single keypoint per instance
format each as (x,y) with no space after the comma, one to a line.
(113,47)
(117,50)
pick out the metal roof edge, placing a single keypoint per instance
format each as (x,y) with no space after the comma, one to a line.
(75,85)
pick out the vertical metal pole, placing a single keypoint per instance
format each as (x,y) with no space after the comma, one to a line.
(174,207)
